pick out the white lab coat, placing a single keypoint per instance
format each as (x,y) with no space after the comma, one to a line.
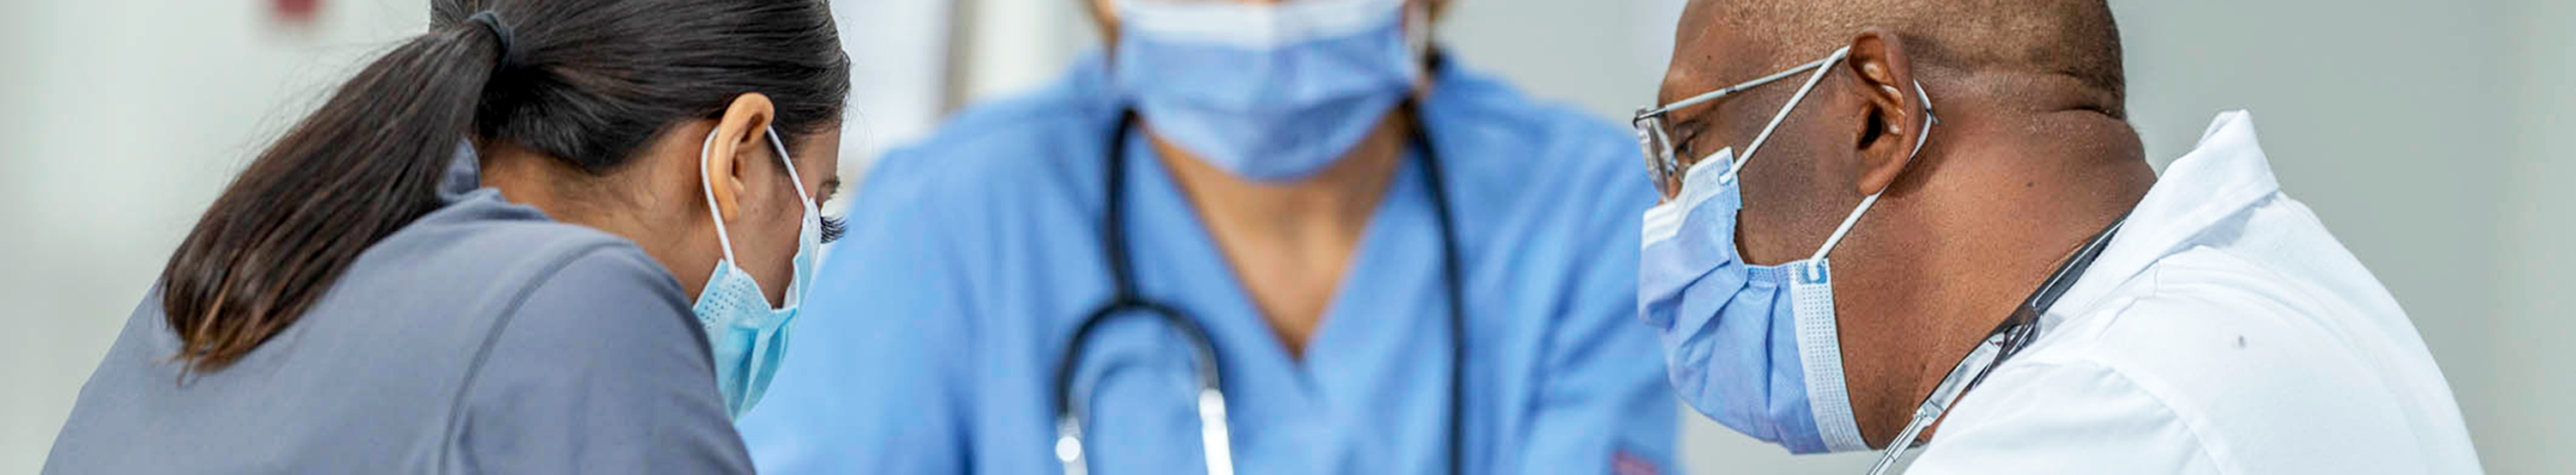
(2223,331)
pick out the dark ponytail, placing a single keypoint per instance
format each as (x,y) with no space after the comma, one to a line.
(365,164)
(587,82)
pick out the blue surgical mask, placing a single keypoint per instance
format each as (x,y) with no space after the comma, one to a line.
(1266,92)
(1754,347)
(747,335)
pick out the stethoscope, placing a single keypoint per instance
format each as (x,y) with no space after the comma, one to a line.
(1072,403)
(2016,332)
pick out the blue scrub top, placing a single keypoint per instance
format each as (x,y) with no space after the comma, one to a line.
(932,333)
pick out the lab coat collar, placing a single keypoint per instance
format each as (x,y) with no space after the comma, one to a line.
(2222,176)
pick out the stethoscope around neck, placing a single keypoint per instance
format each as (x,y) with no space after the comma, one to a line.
(1072,402)
(2016,332)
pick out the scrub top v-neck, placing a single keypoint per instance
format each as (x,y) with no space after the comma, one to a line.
(1376,316)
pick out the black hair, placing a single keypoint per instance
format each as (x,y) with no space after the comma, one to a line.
(588,82)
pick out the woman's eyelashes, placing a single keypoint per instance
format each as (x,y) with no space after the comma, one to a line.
(834,227)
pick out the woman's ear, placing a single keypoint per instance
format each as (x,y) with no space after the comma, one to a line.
(1896,113)
(740,138)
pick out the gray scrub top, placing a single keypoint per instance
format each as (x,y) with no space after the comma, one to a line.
(483,338)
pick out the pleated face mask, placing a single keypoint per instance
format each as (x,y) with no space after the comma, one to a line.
(1754,347)
(748,336)
(1267,92)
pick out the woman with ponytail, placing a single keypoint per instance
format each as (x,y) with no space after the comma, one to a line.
(557,236)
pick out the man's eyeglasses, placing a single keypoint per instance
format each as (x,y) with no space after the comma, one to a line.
(1654,133)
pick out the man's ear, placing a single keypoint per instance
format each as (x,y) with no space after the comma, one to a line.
(740,139)
(1895,112)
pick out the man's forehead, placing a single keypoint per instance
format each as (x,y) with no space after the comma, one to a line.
(1711,50)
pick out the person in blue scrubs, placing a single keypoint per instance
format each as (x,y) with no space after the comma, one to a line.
(1277,192)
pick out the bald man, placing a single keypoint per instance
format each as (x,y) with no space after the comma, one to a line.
(1879,215)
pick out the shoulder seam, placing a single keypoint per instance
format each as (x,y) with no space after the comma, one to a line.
(483,352)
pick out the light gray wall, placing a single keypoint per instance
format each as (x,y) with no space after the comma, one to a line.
(2523,411)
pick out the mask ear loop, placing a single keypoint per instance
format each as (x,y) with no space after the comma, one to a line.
(812,220)
(1666,216)
(779,144)
(1813,272)
(1765,137)
(706,185)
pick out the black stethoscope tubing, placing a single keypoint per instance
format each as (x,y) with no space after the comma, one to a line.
(1128,300)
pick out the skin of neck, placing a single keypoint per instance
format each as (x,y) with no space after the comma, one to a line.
(1290,243)
(618,202)
(2011,185)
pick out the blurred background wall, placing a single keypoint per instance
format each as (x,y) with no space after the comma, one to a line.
(2426,133)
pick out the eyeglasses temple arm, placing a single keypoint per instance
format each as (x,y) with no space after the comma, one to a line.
(1713,95)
